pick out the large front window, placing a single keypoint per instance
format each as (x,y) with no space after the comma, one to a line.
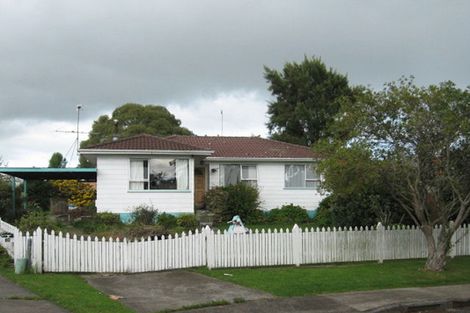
(301,176)
(231,174)
(161,173)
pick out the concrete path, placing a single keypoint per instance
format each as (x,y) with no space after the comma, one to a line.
(379,300)
(431,299)
(153,292)
(15,299)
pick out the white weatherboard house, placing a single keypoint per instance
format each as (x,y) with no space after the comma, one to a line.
(173,173)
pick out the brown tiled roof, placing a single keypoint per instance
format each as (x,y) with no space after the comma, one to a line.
(245,147)
(144,142)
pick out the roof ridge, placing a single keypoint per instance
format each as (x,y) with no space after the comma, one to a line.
(258,137)
(185,144)
(116,141)
(287,143)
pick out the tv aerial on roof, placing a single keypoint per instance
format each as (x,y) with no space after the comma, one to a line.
(76,143)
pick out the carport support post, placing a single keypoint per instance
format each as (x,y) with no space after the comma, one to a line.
(13,195)
(25,195)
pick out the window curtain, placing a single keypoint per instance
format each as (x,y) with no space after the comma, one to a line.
(137,175)
(182,174)
(295,176)
(231,174)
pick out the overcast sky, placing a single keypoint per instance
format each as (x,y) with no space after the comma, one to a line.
(200,57)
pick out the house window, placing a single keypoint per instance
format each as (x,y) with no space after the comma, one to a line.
(159,174)
(301,176)
(231,174)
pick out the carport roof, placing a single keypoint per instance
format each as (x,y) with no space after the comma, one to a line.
(40,173)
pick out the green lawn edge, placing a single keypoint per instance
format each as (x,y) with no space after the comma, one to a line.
(288,281)
(69,291)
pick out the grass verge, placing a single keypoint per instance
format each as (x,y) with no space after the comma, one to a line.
(69,291)
(308,280)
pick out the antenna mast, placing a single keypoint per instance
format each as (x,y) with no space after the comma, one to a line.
(222,123)
(79,106)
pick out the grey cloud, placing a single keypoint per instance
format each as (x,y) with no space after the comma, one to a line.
(55,54)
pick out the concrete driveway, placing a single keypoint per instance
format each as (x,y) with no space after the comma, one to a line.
(15,299)
(153,292)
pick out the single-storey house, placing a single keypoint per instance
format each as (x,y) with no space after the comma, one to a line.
(173,173)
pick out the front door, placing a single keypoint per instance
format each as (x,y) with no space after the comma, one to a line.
(200,186)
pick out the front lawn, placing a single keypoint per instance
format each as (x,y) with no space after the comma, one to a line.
(69,291)
(307,280)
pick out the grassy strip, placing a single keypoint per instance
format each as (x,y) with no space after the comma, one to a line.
(66,290)
(307,280)
(197,306)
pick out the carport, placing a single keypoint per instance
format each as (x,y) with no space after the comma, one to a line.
(44,173)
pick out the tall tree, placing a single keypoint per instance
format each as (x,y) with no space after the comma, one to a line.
(307,98)
(358,193)
(57,160)
(132,119)
(422,138)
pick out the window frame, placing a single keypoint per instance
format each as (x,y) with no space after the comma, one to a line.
(250,181)
(146,179)
(316,181)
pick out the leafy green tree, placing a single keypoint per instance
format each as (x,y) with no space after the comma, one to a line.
(132,119)
(57,160)
(421,138)
(360,194)
(307,97)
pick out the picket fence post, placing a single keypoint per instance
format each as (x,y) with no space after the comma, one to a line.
(17,245)
(209,235)
(36,254)
(380,242)
(296,245)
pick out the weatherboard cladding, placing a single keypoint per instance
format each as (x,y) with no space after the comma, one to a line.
(222,147)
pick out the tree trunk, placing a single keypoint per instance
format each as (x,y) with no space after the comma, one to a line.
(437,248)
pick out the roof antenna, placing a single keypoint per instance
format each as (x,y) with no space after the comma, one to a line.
(79,107)
(222,122)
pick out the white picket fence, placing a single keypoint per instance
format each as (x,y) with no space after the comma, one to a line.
(80,254)
(51,252)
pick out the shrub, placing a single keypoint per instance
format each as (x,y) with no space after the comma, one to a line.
(166,220)
(216,202)
(188,222)
(108,219)
(5,260)
(34,219)
(78,193)
(323,214)
(289,214)
(256,217)
(144,231)
(240,199)
(144,215)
